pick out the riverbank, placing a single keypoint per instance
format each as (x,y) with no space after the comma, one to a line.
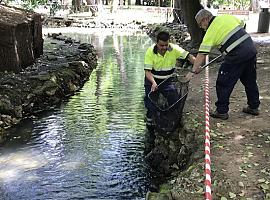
(61,71)
(239,146)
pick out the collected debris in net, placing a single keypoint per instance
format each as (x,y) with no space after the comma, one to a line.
(168,116)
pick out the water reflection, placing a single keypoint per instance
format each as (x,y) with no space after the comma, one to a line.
(92,146)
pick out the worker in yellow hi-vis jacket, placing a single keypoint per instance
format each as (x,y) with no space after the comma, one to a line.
(227,33)
(159,65)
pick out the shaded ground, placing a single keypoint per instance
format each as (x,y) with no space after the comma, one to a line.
(240,146)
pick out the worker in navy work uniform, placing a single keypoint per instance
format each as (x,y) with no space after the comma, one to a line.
(159,65)
(227,33)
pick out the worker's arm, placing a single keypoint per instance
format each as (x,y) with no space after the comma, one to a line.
(149,76)
(191,58)
(199,61)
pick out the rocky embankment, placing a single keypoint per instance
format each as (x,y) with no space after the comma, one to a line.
(179,33)
(57,22)
(174,152)
(239,146)
(61,71)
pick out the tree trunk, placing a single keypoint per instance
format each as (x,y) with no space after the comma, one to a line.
(92,6)
(77,5)
(36,29)
(189,9)
(254,6)
(114,6)
(138,2)
(177,12)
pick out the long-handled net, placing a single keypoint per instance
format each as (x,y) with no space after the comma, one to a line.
(168,115)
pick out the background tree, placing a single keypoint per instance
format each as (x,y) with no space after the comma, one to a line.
(177,13)
(186,11)
(92,6)
(138,2)
(76,4)
(254,5)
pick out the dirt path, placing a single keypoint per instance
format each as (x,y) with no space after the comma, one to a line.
(240,146)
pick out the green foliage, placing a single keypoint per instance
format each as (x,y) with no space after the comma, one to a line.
(237,3)
(34,3)
(28,4)
(54,7)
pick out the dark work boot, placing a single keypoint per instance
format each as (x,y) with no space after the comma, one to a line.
(218,115)
(251,111)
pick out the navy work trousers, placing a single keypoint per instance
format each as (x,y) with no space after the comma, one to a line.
(167,89)
(228,75)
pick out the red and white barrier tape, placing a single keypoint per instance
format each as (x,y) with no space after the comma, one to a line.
(208,193)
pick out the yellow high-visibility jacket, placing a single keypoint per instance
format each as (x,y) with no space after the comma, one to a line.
(221,28)
(163,67)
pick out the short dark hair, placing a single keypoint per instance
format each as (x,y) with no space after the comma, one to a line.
(163,36)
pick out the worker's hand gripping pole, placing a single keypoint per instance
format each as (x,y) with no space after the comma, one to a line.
(204,66)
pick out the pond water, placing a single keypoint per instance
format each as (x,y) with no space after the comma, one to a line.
(92,146)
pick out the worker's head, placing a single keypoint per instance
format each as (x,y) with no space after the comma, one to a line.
(203,18)
(163,38)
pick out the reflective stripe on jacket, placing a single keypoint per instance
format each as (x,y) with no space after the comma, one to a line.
(219,31)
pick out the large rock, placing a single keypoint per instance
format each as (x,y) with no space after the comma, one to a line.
(20,38)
